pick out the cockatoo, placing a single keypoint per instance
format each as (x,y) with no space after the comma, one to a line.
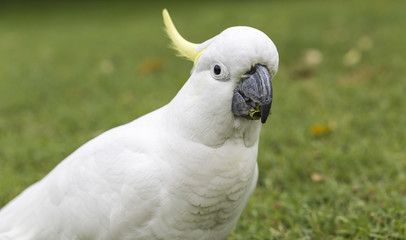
(184,171)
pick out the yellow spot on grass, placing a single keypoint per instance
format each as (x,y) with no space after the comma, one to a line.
(352,57)
(319,130)
(313,57)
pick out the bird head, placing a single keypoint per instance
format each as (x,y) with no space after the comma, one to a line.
(233,70)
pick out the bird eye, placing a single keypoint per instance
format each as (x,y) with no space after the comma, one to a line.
(217,69)
(219,72)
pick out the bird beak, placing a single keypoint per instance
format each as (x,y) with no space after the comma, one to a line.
(252,98)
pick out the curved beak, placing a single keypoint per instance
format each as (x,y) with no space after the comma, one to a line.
(252,98)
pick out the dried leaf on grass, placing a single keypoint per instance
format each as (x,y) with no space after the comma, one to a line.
(151,65)
(322,129)
(307,64)
(352,57)
(362,74)
(316,177)
(107,66)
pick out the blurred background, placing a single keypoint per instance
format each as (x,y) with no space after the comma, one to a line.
(332,155)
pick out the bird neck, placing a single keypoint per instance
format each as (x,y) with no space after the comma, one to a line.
(209,122)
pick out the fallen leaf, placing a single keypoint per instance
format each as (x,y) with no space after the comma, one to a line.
(319,130)
(107,66)
(337,35)
(301,72)
(313,57)
(365,43)
(150,65)
(307,64)
(361,74)
(316,177)
(352,57)
(317,154)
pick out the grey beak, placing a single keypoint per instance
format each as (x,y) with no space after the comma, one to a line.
(252,98)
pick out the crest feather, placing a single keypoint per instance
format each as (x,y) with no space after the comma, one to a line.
(184,47)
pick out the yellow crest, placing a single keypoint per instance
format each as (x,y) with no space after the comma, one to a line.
(184,48)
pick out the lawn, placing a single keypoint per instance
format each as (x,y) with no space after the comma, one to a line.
(332,155)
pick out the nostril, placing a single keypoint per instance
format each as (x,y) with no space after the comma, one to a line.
(252,71)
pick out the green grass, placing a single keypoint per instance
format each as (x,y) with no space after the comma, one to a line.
(69,72)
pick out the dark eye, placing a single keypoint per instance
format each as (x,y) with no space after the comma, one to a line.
(217,69)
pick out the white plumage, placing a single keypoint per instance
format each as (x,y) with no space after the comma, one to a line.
(184,171)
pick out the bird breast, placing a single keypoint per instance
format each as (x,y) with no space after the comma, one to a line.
(208,187)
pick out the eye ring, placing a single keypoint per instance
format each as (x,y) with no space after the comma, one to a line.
(219,71)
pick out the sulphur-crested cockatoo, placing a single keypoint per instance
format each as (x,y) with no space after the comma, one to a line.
(184,171)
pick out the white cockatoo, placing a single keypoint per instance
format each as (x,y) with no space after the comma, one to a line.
(184,171)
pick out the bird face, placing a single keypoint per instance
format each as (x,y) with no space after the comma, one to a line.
(232,70)
(252,97)
(247,59)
